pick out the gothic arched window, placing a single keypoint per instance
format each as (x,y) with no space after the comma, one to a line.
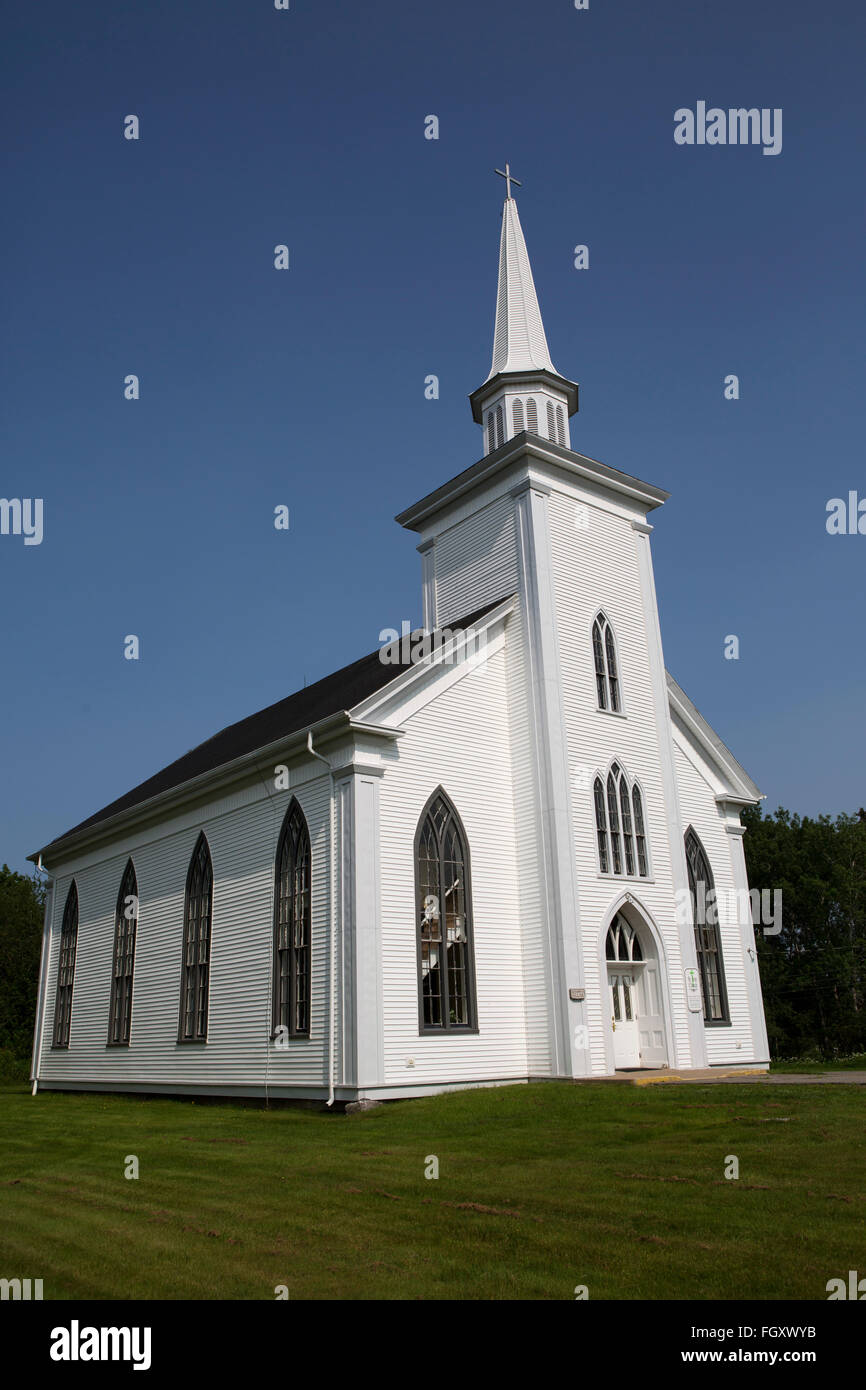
(551,422)
(619,824)
(491,432)
(707,941)
(639,832)
(615,819)
(606,670)
(627,831)
(499,432)
(532,416)
(66,968)
(292,926)
(195,967)
(517,415)
(622,943)
(601,827)
(446,971)
(125,927)
(560,425)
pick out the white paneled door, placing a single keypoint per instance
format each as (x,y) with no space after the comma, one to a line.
(623,999)
(651,1024)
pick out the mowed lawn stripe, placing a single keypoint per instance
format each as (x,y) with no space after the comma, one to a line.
(540,1188)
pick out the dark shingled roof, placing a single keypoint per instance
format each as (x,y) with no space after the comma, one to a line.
(342,690)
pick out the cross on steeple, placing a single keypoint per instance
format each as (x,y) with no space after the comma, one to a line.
(506,175)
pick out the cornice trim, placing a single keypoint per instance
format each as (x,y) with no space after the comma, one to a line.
(526,446)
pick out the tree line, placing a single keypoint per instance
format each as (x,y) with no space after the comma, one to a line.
(813,973)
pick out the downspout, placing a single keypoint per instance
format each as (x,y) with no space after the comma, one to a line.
(38,1027)
(332,881)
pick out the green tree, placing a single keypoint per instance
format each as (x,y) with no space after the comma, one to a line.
(813,974)
(22,904)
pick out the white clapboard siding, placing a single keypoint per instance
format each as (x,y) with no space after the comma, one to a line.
(699,810)
(529,851)
(476,561)
(242,833)
(597,569)
(460,740)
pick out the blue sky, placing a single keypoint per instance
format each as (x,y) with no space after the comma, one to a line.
(305,388)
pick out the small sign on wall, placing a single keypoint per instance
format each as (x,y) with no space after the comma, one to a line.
(693,992)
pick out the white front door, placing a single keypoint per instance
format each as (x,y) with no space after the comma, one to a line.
(626,1050)
(651,1024)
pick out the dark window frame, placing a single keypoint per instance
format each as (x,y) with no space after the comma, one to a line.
(125,937)
(608,684)
(66,955)
(294,815)
(603,842)
(446,1027)
(695,851)
(620,825)
(197,1036)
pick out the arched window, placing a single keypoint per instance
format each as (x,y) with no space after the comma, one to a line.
(639,832)
(66,968)
(606,670)
(707,942)
(517,415)
(601,827)
(551,422)
(613,814)
(491,432)
(627,831)
(292,926)
(619,823)
(622,943)
(125,927)
(499,433)
(532,416)
(195,969)
(560,425)
(446,973)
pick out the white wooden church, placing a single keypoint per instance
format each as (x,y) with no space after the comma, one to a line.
(461,860)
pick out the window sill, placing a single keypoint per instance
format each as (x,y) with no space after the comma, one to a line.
(612,713)
(456,1030)
(622,878)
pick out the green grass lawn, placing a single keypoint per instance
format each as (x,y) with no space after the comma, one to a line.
(856,1063)
(540,1188)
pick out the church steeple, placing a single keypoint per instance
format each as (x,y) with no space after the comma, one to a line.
(523,391)
(519,341)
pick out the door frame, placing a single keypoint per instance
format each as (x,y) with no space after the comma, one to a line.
(639,917)
(623,968)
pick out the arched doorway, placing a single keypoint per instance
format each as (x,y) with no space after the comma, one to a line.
(634,995)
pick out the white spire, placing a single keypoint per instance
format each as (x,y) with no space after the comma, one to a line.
(524,392)
(519,344)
